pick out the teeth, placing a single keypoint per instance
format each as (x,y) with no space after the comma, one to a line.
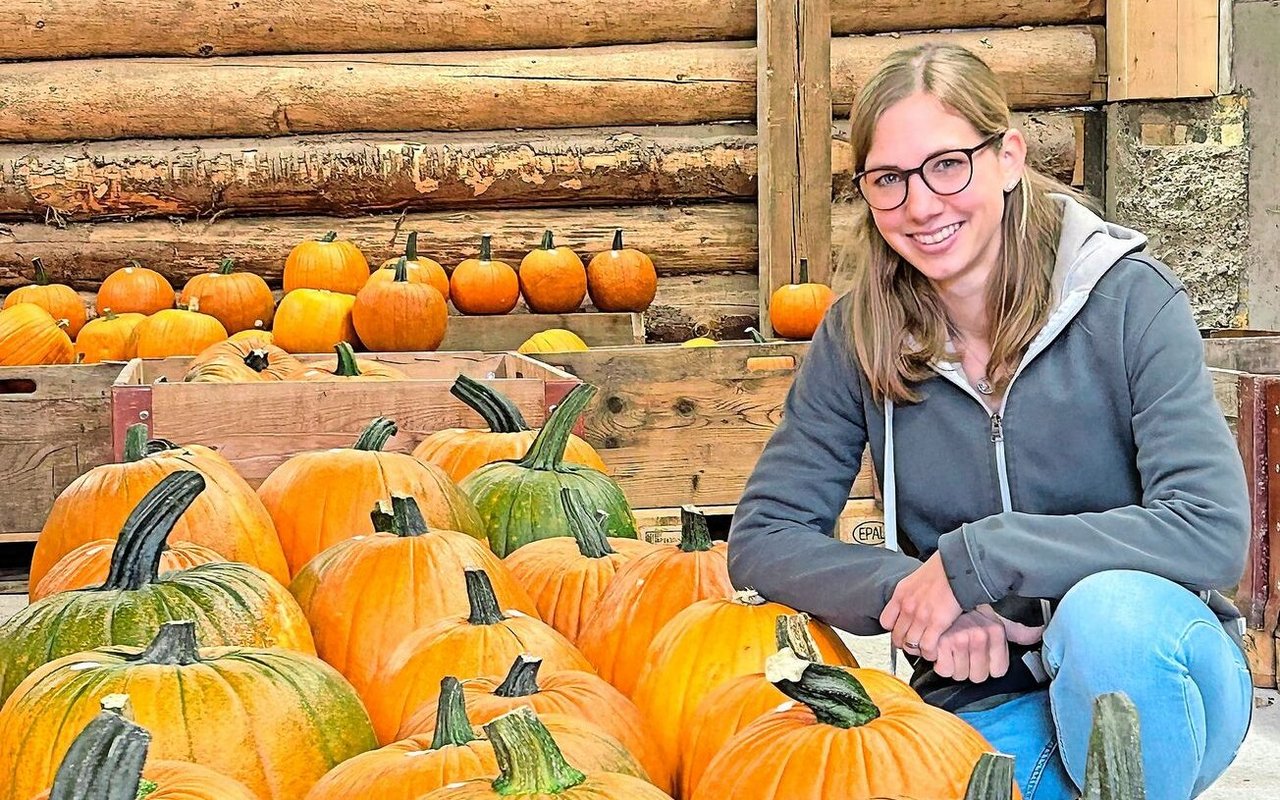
(939,236)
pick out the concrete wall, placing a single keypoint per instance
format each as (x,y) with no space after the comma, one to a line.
(1256,70)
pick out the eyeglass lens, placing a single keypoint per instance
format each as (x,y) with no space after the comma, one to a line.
(946,173)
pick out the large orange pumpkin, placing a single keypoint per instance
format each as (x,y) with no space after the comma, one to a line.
(326,263)
(420,580)
(347,367)
(646,593)
(322,497)
(88,564)
(482,643)
(418,268)
(60,300)
(29,336)
(400,316)
(834,742)
(242,359)
(552,279)
(314,321)
(135,289)
(106,338)
(796,309)
(482,285)
(227,517)
(241,301)
(621,278)
(176,332)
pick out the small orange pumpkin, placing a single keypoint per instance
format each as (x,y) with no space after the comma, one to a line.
(176,332)
(326,263)
(88,565)
(241,301)
(135,289)
(107,338)
(552,279)
(60,300)
(30,336)
(348,367)
(482,285)
(621,279)
(419,268)
(400,316)
(796,309)
(314,321)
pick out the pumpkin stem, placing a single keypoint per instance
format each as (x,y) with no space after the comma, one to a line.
(104,762)
(833,695)
(695,536)
(108,314)
(804,270)
(499,413)
(146,788)
(42,277)
(792,630)
(347,366)
(174,645)
(135,561)
(154,446)
(617,239)
(1113,766)
(226,266)
(529,759)
(257,360)
(756,336)
(991,779)
(484,603)
(402,271)
(329,237)
(486,247)
(135,442)
(588,529)
(547,242)
(404,518)
(453,727)
(411,246)
(547,450)
(522,678)
(376,435)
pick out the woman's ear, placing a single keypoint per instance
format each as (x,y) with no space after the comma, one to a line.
(1013,158)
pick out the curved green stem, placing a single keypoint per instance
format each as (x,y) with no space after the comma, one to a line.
(135,442)
(547,450)
(174,645)
(756,336)
(529,759)
(486,247)
(499,413)
(135,561)
(695,536)
(1113,765)
(401,274)
(331,236)
(411,246)
(347,366)
(484,603)
(992,778)
(547,242)
(588,529)
(376,435)
(42,277)
(833,695)
(104,762)
(404,519)
(227,266)
(617,239)
(452,725)
(792,630)
(522,678)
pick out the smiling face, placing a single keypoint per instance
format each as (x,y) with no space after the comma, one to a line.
(953,240)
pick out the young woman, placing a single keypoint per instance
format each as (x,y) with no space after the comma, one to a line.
(1064,489)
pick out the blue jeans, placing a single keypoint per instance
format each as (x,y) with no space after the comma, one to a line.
(1158,643)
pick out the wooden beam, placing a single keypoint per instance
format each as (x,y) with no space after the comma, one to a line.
(721,306)
(1158,49)
(508,332)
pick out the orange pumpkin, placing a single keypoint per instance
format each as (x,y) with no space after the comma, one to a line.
(621,278)
(88,565)
(796,309)
(241,301)
(29,336)
(106,338)
(418,268)
(243,359)
(858,747)
(552,279)
(314,321)
(330,263)
(461,451)
(318,498)
(646,593)
(482,285)
(398,315)
(481,643)
(254,338)
(60,300)
(135,289)
(419,575)
(348,367)
(176,332)
(566,576)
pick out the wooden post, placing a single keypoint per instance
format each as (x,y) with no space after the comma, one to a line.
(1162,49)
(793,110)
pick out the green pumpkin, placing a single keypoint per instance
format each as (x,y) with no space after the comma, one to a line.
(519,501)
(231,603)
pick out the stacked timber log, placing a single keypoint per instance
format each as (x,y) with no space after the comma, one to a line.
(177,135)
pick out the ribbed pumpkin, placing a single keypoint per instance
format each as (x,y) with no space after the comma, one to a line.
(796,309)
(105,762)
(482,643)
(700,341)
(533,485)
(106,338)
(29,336)
(835,742)
(230,603)
(621,278)
(241,301)
(88,565)
(733,704)
(322,497)
(552,279)
(314,321)
(400,316)
(420,580)
(347,367)
(571,693)
(60,300)
(418,268)
(135,289)
(325,263)
(553,340)
(461,451)
(176,332)
(533,766)
(244,359)
(482,285)
(254,338)
(646,593)
(227,517)
(566,575)
(273,719)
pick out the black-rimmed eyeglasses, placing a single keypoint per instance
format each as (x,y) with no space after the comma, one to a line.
(944,173)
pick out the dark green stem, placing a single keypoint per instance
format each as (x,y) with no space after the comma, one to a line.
(499,413)
(104,762)
(804,270)
(135,561)
(135,442)
(833,695)
(42,277)
(452,725)
(347,366)
(756,336)
(617,239)
(792,630)
(1113,766)
(227,266)
(376,435)
(329,237)
(257,360)
(547,242)
(174,645)
(484,603)
(411,246)
(530,761)
(154,446)
(991,779)
(522,678)
(588,529)
(402,271)
(547,450)
(695,536)
(486,247)
(405,518)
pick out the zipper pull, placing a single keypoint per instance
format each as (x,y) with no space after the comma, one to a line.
(997,429)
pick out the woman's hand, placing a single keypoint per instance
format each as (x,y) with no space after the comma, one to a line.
(973,649)
(921,609)
(1014,632)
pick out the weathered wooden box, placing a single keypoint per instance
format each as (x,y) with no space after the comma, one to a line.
(504,332)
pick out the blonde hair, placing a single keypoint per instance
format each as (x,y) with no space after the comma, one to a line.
(898,324)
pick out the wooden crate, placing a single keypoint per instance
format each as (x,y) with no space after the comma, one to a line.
(55,425)
(259,425)
(861,522)
(497,334)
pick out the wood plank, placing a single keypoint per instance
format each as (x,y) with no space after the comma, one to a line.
(1261,652)
(813,79)
(1254,590)
(39,29)
(720,306)
(1162,50)
(1257,353)
(1270,558)
(860,522)
(669,83)
(509,331)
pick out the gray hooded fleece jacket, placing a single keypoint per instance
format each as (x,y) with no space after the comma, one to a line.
(1107,452)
